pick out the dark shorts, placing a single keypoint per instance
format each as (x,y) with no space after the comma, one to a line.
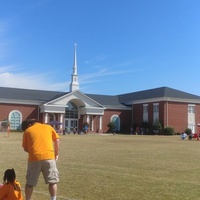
(48,169)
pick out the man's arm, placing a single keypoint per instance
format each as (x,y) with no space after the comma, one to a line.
(24,144)
(56,148)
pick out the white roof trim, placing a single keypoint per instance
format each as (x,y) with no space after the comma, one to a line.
(26,102)
(71,93)
(163,99)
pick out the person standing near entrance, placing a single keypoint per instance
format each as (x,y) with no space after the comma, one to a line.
(85,128)
(41,142)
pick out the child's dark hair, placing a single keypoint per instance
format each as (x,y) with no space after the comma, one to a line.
(9,175)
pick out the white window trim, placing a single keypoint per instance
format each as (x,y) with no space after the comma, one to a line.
(13,111)
(118,128)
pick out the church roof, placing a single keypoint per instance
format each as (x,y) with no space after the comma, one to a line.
(28,94)
(108,101)
(161,92)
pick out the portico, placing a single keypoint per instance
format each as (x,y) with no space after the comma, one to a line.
(73,110)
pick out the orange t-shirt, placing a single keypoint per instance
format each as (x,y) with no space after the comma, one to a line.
(38,140)
(11,191)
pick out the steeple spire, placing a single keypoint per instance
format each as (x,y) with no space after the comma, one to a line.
(74,85)
(75,60)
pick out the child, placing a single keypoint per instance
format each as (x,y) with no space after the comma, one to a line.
(10,189)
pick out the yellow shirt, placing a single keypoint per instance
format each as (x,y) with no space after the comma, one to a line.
(11,191)
(38,140)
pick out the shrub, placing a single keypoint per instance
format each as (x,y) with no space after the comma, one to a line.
(168,131)
(111,126)
(157,127)
(145,125)
(5,123)
(188,131)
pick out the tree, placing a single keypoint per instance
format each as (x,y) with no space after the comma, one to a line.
(188,131)
(111,126)
(157,127)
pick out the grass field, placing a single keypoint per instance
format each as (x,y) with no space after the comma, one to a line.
(115,167)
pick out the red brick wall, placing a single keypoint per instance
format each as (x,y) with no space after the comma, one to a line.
(28,111)
(137,114)
(95,123)
(178,116)
(162,112)
(125,119)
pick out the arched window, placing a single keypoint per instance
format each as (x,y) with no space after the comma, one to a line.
(71,116)
(116,120)
(15,119)
(71,111)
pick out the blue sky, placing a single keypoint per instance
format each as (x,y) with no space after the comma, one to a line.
(122,45)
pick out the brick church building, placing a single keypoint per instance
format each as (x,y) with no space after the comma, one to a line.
(72,109)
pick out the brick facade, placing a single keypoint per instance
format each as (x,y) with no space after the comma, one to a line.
(28,111)
(171,114)
(172,108)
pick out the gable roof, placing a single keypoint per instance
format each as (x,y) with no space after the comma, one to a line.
(43,96)
(75,95)
(108,101)
(162,92)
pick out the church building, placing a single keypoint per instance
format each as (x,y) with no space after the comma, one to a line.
(71,110)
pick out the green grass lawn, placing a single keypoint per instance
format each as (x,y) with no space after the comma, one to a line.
(115,167)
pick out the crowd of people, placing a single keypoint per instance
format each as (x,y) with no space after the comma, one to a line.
(137,131)
(190,136)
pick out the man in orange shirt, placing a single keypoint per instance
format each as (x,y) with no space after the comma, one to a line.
(41,142)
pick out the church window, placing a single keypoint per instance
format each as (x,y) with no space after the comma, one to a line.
(15,118)
(145,112)
(71,111)
(156,112)
(116,120)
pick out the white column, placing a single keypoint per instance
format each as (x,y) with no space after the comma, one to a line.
(87,118)
(100,122)
(61,120)
(46,118)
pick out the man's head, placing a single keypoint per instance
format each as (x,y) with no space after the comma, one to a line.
(30,122)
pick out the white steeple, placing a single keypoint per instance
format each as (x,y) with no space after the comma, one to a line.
(74,85)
